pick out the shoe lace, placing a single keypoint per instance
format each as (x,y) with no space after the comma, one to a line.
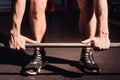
(37,57)
(89,57)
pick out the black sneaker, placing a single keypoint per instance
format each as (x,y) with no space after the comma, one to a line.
(88,61)
(36,63)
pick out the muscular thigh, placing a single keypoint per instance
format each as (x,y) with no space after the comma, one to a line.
(83,4)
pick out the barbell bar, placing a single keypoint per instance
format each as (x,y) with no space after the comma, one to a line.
(63,45)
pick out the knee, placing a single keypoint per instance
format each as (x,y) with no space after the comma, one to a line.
(81,5)
(85,5)
(41,6)
(38,5)
(38,8)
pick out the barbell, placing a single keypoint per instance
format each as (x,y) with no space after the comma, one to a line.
(63,45)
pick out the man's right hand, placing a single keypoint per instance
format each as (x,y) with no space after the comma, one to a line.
(18,42)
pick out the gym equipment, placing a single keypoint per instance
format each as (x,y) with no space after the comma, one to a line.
(63,45)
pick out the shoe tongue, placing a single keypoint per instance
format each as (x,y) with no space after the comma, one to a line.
(35,62)
(37,52)
(86,54)
(88,50)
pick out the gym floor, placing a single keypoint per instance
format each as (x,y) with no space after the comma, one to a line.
(62,62)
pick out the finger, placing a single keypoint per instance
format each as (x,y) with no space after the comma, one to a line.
(22,45)
(18,48)
(96,49)
(22,48)
(29,40)
(96,45)
(87,40)
(12,46)
(105,44)
(100,45)
(108,44)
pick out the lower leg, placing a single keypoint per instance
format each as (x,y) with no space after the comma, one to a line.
(87,25)
(37,18)
(38,25)
(87,20)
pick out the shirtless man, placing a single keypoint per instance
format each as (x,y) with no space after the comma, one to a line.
(95,21)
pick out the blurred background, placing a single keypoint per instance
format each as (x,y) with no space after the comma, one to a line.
(114,6)
(69,8)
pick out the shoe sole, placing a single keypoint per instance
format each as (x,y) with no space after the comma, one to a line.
(29,73)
